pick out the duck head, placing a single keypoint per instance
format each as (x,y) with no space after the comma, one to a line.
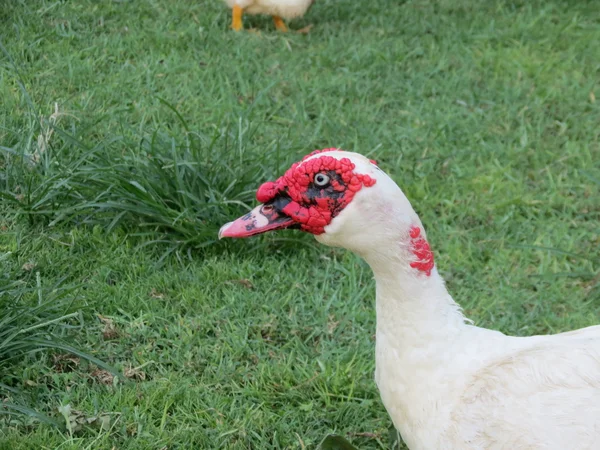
(340,197)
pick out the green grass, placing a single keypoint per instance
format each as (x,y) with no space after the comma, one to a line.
(486,113)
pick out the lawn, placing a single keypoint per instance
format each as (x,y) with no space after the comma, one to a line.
(131,130)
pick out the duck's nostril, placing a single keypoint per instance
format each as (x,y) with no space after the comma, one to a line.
(267,209)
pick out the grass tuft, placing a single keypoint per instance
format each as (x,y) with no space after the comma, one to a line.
(35,319)
(174,190)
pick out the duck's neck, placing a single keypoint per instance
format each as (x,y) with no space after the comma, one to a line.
(416,309)
(419,328)
(412,306)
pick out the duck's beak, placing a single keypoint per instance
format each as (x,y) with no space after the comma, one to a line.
(261,219)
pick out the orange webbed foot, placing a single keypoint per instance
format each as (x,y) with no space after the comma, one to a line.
(280,24)
(236,18)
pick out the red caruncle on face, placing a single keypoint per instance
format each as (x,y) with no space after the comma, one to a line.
(313,205)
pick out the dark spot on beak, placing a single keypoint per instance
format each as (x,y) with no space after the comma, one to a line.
(279,202)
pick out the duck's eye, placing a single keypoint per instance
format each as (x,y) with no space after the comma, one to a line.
(321,179)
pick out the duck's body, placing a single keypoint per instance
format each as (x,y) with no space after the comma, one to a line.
(457,386)
(445,383)
(279,9)
(286,9)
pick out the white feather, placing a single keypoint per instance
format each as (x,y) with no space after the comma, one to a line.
(446,383)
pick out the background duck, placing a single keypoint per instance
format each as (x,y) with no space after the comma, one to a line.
(278,9)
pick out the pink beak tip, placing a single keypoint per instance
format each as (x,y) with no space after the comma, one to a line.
(223,230)
(257,221)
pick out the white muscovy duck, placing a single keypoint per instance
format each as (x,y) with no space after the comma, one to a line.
(445,383)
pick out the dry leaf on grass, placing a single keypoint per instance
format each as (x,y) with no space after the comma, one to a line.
(332,324)
(103,376)
(156,294)
(244,282)
(28,267)
(305,30)
(65,363)
(77,420)
(110,330)
(135,373)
